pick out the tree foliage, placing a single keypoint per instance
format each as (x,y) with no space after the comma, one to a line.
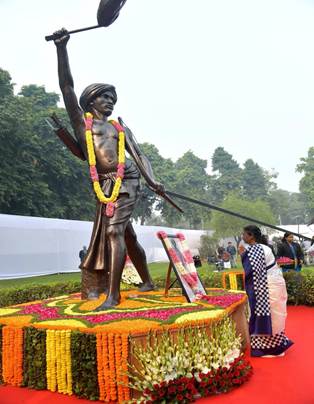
(306,167)
(226,225)
(288,207)
(227,175)
(208,246)
(40,177)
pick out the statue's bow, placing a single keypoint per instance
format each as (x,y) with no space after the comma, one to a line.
(108,12)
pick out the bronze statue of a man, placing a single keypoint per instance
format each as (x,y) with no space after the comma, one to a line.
(112,237)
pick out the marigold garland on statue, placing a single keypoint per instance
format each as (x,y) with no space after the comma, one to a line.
(109,201)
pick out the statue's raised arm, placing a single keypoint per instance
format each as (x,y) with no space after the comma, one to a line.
(67,86)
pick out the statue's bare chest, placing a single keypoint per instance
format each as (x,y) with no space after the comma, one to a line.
(104,136)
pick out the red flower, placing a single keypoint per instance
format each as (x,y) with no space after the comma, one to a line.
(189,396)
(172,390)
(210,380)
(162,234)
(181,388)
(180,397)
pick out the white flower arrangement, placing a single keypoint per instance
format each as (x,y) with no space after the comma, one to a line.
(191,352)
(130,274)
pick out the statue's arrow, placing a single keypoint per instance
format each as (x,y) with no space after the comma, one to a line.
(230,212)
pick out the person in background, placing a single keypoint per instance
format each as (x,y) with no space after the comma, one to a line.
(223,258)
(197,261)
(290,249)
(306,244)
(233,254)
(82,253)
(267,294)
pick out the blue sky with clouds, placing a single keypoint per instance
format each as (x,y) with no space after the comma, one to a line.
(237,74)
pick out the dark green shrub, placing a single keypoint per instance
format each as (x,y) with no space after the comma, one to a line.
(30,293)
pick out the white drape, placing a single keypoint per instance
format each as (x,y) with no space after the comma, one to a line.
(31,246)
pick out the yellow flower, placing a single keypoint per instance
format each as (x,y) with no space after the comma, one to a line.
(70,323)
(6,312)
(202,315)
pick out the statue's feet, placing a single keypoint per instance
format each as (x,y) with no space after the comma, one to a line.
(146,287)
(110,302)
(93,295)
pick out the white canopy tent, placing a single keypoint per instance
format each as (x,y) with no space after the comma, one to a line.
(32,246)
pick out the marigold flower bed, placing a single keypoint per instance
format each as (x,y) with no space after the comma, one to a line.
(63,345)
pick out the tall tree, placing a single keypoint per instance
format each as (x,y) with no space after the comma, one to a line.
(230,226)
(40,98)
(39,176)
(254,182)
(190,178)
(306,167)
(227,175)
(6,85)
(163,172)
(288,207)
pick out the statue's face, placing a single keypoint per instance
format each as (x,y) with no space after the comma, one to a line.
(104,103)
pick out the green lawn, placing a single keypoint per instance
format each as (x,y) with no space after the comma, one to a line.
(157,270)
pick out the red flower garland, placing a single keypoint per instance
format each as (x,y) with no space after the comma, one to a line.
(185,389)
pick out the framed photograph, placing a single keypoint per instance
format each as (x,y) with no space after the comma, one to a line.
(182,263)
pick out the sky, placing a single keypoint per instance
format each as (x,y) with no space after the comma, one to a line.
(237,74)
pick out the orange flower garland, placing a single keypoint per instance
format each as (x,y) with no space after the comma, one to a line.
(112,368)
(105,358)
(118,356)
(124,359)
(12,364)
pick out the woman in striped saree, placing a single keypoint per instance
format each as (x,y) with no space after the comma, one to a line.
(267,294)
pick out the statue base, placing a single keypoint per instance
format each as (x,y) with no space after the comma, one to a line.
(61,344)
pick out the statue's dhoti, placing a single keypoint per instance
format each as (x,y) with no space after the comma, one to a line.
(95,264)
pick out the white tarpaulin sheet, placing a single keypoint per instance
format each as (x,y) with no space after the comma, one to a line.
(31,246)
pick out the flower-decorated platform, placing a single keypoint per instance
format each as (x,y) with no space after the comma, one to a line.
(63,345)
